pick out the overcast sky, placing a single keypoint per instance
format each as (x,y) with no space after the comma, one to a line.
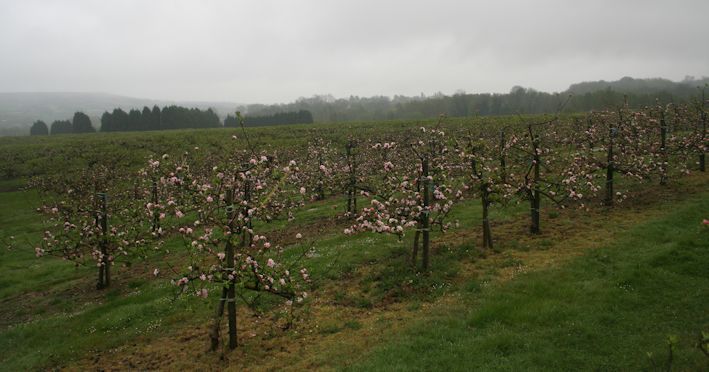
(277,51)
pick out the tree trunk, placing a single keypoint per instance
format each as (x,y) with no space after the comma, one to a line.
(415,250)
(425,222)
(156,212)
(535,194)
(351,185)
(231,292)
(487,233)
(320,187)
(503,165)
(663,150)
(535,205)
(610,169)
(702,155)
(216,327)
(104,273)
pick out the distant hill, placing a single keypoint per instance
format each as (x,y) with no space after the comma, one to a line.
(684,88)
(19,110)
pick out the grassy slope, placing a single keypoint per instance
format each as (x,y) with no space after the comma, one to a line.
(603,311)
(56,317)
(562,318)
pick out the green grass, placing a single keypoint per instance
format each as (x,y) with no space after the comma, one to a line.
(604,311)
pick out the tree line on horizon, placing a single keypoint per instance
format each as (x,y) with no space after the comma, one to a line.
(171,117)
(291,117)
(80,123)
(580,97)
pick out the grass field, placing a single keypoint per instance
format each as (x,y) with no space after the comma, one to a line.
(597,290)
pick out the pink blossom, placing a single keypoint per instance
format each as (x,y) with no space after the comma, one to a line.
(271,262)
(156,272)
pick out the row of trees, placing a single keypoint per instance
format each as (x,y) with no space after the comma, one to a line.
(171,117)
(279,118)
(409,181)
(584,97)
(80,123)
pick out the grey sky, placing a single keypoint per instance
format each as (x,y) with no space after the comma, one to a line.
(276,51)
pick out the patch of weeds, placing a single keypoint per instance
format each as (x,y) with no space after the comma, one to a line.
(353,324)
(343,299)
(133,284)
(329,328)
(511,262)
(340,297)
(364,302)
(553,214)
(545,244)
(473,286)
(414,306)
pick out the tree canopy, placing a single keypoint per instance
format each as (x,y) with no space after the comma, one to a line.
(39,128)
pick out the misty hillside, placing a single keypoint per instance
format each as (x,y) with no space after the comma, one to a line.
(683,88)
(19,110)
(520,100)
